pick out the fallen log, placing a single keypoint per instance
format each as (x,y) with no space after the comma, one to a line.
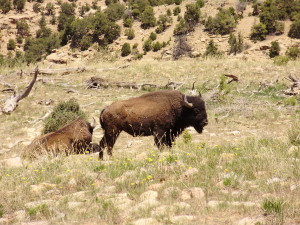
(12,102)
(295,87)
(63,71)
(112,68)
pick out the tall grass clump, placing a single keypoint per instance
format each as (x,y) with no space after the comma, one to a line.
(294,134)
(62,114)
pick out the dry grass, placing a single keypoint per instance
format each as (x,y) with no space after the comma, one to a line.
(247,153)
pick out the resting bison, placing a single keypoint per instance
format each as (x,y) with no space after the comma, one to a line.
(163,114)
(74,137)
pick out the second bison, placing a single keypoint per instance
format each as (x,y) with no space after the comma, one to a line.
(163,114)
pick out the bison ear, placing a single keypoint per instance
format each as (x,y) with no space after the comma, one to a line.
(186,103)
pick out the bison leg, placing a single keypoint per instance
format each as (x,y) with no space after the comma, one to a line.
(108,141)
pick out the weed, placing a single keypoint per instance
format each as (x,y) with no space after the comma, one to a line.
(272,206)
(187,137)
(1,210)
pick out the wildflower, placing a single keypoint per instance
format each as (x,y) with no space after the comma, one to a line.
(87,152)
(182,166)
(149,177)
(226,170)
(36,170)
(188,153)
(7,175)
(93,184)
(91,158)
(23,178)
(190,167)
(29,166)
(132,184)
(149,159)
(68,170)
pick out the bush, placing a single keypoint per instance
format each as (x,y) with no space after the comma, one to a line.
(200,3)
(157,46)
(19,39)
(274,50)
(212,49)
(177,2)
(224,22)
(281,60)
(129,33)
(66,16)
(109,2)
(128,22)
(176,11)
(11,45)
(22,28)
(148,18)
(236,44)
(115,11)
(258,32)
(269,15)
(164,21)
(192,16)
(147,46)
(181,28)
(19,4)
(50,11)
(279,28)
(153,36)
(36,7)
(126,50)
(62,114)
(294,30)
(83,9)
(294,134)
(5,6)
(293,52)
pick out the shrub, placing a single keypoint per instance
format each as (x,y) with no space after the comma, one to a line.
(187,137)
(5,6)
(200,3)
(153,36)
(192,16)
(19,39)
(156,46)
(280,60)
(62,114)
(176,11)
(279,28)
(129,33)
(258,32)
(22,28)
(294,30)
(95,4)
(19,4)
(66,16)
(109,2)
(163,22)
(115,11)
(212,49)
(148,18)
(11,45)
(50,11)
(181,47)
(128,22)
(181,28)
(268,15)
(293,52)
(147,46)
(83,9)
(236,44)
(125,51)
(135,45)
(294,134)
(86,42)
(275,49)
(36,7)
(177,2)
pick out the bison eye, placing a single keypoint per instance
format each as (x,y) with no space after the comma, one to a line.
(196,111)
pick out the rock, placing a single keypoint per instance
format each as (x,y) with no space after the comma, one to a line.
(251,221)
(149,195)
(274,180)
(145,205)
(4,221)
(19,215)
(12,162)
(182,205)
(124,177)
(183,219)
(156,186)
(72,182)
(122,202)
(195,193)
(171,191)
(41,188)
(189,173)
(75,205)
(79,195)
(195,54)
(146,221)
(109,189)
(293,149)
(234,133)
(38,203)
(163,211)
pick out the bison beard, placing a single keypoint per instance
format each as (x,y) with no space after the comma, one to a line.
(163,114)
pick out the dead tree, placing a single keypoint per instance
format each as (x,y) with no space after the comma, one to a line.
(295,88)
(97,82)
(12,102)
(181,47)
(233,78)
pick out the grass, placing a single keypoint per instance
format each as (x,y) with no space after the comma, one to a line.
(248,153)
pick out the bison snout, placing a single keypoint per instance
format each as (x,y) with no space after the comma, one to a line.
(205,123)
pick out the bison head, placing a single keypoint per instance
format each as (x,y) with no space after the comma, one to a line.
(196,112)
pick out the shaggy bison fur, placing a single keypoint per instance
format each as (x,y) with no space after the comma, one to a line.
(163,114)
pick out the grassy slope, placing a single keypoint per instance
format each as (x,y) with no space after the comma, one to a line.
(244,155)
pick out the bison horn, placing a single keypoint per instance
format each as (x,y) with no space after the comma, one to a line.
(93,125)
(186,103)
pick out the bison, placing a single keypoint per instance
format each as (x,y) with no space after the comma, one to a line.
(163,114)
(74,137)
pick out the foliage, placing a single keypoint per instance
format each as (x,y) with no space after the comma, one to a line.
(192,16)
(271,206)
(11,45)
(22,28)
(258,32)
(176,11)
(187,137)
(279,27)
(115,11)
(36,7)
(50,10)
(19,5)
(163,22)
(62,114)
(109,2)
(293,52)
(236,44)
(281,60)
(181,28)
(212,49)
(43,31)
(83,9)
(126,50)
(224,22)
(128,22)
(200,3)
(153,36)
(181,47)
(66,16)
(275,49)
(294,134)
(148,18)
(294,30)
(129,33)
(5,6)
(178,2)
(147,46)
(156,46)
(268,15)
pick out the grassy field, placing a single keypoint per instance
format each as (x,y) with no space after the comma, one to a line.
(243,169)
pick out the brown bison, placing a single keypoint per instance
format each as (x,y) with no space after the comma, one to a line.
(74,137)
(163,114)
